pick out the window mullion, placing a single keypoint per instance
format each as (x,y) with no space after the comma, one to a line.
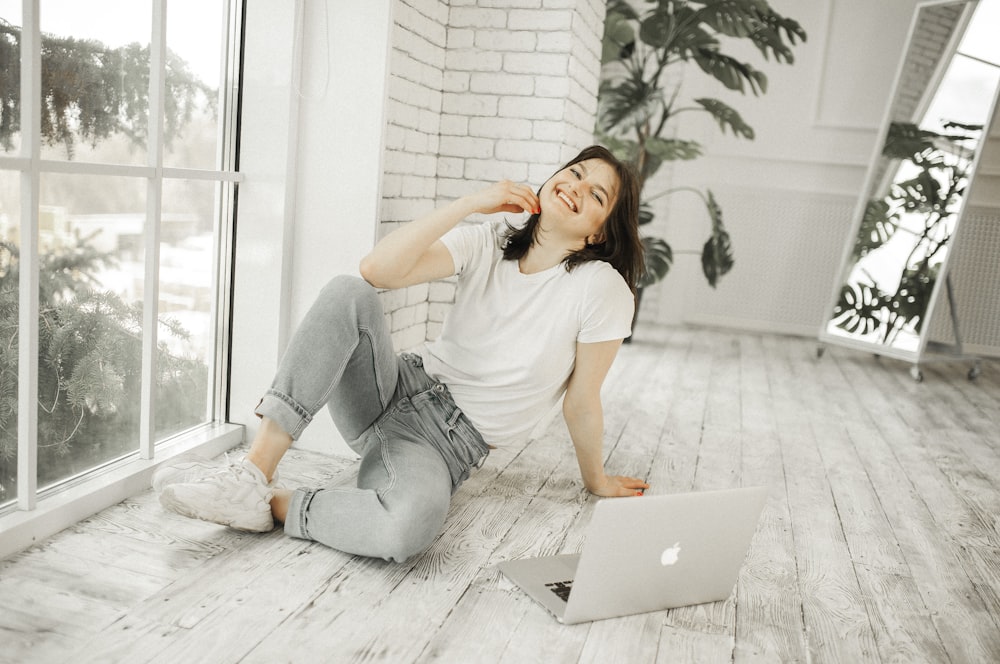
(27,420)
(154,200)
(227,162)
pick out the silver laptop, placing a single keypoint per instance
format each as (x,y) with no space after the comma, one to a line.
(646,554)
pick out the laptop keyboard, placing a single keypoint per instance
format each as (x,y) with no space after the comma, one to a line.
(561,588)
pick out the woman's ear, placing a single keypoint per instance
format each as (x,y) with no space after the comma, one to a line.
(596,238)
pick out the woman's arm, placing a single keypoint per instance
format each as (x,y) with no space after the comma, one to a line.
(414,254)
(585,419)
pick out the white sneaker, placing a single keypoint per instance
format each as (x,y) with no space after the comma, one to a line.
(190,468)
(185,468)
(237,496)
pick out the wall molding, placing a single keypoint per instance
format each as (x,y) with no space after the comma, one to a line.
(822,70)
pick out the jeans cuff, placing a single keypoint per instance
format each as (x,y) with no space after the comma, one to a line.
(295,520)
(290,417)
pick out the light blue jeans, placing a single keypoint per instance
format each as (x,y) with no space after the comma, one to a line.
(416,446)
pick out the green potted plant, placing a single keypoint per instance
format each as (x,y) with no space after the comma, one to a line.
(639,97)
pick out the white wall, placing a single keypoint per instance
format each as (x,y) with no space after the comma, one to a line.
(311,154)
(262,253)
(345,63)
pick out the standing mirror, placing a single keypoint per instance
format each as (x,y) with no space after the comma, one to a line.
(896,259)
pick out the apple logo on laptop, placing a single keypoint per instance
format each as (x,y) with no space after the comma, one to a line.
(670,554)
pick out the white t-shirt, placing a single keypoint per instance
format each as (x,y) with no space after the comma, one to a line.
(508,346)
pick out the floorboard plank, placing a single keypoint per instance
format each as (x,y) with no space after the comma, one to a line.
(921,506)
(837,623)
(769,622)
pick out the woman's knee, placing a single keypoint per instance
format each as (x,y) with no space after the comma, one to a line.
(413,529)
(345,288)
(347,294)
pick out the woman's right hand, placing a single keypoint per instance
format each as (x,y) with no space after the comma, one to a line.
(505,196)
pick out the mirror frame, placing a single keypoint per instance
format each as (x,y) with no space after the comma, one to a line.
(873,171)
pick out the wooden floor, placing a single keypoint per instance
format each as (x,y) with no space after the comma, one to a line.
(880,540)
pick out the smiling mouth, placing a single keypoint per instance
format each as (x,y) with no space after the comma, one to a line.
(567,200)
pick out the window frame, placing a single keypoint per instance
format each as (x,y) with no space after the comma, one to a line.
(37,513)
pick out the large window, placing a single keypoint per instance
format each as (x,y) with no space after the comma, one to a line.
(117,177)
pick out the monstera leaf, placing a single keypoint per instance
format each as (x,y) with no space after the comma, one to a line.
(675,28)
(729,71)
(755,21)
(727,117)
(731,17)
(646,215)
(921,193)
(878,224)
(659,257)
(619,35)
(909,304)
(906,140)
(863,308)
(859,308)
(770,33)
(717,254)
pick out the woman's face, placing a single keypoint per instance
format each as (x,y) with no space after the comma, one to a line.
(578,199)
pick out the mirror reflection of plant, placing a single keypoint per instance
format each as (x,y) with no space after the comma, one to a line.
(863,308)
(90,366)
(933,195)
(639,96)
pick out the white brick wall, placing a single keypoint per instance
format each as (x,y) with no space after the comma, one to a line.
(480,90)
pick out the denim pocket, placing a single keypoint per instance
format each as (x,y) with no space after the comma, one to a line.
(466,439)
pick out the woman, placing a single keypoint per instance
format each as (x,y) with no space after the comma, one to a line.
(540,313)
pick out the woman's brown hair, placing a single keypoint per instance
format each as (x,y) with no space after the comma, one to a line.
(620,247)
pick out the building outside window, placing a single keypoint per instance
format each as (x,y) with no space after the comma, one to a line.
(117,188)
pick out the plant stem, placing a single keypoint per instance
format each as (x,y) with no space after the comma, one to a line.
(674,190)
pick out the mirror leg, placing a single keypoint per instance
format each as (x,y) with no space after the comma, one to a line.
(974,371)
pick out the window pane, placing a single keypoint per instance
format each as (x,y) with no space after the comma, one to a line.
(196,39)
(979,40)
(90,335)
(9,218)
(10,75)
(187,297)
(95,79)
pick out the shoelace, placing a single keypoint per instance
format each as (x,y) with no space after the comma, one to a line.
(219,475)
(237,469)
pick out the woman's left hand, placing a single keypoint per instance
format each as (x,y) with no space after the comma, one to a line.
(615,486)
